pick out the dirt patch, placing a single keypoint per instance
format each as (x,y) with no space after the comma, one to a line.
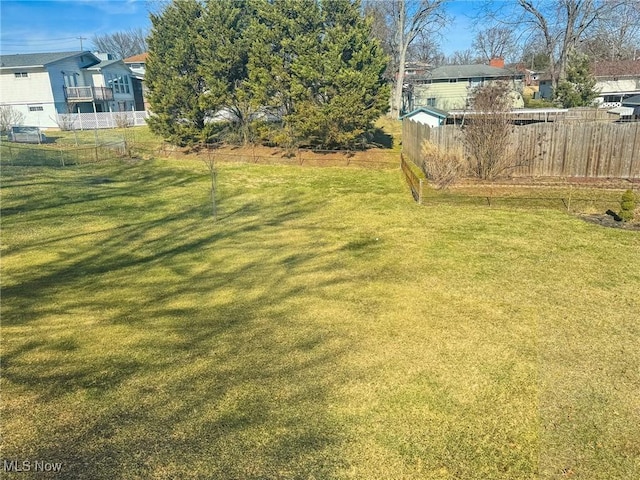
(605,220)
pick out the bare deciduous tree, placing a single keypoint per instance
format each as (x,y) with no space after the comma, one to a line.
(617,36)
(463,57)
(9,116)
(122,44)
(403,21)
(561,24)
(488,132)
(495,42)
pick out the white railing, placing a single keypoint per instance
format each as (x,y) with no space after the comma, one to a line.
(90,121)
(88,93)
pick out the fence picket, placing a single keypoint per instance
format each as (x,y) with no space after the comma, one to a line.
(593,150)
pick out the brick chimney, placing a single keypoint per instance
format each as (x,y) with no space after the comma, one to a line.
(497,62)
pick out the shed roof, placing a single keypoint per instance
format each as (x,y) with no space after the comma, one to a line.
(37,59)
(436,112)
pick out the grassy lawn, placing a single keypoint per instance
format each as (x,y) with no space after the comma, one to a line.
(324,327)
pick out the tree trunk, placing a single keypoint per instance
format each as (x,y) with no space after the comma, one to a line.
(397,94)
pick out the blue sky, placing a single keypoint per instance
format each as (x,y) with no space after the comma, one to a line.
(29,26)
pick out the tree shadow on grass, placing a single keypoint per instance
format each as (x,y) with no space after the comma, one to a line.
(380,138)
(180,360)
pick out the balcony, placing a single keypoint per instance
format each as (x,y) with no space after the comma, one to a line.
(88,94)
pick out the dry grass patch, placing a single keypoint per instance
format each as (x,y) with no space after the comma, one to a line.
(324,327)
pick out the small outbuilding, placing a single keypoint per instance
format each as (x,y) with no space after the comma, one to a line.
(434,117)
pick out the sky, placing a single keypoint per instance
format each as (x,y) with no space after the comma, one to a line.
(31,26)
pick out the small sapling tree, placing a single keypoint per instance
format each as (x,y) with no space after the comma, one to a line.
(210,162)
(627,206)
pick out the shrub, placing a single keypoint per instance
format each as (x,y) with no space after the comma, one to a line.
(627,205)
(488,133)
(442,167)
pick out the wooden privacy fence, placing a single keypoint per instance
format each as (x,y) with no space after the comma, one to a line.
(590,150)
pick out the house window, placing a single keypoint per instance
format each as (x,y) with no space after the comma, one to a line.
(70,80)
(36,108)
(431,102)
(119,83)
(21,74)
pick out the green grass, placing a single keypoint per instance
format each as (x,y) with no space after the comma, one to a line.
(89,137)
(325,326)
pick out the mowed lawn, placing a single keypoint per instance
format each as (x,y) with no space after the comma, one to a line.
(324,327)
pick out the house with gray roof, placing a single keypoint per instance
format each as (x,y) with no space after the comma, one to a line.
(449,87)
(45,85)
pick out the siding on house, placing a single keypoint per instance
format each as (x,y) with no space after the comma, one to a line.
(38,92)
(449,87)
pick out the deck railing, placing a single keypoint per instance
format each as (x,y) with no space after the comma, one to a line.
(88,94)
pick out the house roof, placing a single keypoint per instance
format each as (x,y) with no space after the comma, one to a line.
(468,71)
(617,68)
(634,101)
(436,112)
(622,111)
(37,59)
(140,58)
(103,64)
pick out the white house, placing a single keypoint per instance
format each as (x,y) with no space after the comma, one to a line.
(615,81)
(43,85)
(138,67)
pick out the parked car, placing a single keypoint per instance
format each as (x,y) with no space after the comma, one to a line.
(23,134)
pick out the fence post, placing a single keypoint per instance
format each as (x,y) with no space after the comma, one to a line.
(420,191)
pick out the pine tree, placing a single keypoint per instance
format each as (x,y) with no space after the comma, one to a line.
(578,90)
(223,48)
(344,79)
(311,63)
(320,69)
(173,76)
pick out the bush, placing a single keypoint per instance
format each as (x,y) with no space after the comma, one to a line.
(627,206)
(442,167)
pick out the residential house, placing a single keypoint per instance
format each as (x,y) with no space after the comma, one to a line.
(137,65)
(45,85)
(450,87)
(615,81)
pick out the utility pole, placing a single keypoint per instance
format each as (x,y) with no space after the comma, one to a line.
(81,38)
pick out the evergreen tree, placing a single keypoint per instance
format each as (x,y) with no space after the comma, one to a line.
(223,48)
(321,70)
(342,79)
(310,63)
(578,90)
(173,76)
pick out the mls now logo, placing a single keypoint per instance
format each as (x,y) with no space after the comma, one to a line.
(31,466)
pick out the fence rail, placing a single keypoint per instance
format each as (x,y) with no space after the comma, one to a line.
(588,150)
(60,155)
(100,120)
(302,157)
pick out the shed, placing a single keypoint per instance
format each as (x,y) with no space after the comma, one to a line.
(434,117)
